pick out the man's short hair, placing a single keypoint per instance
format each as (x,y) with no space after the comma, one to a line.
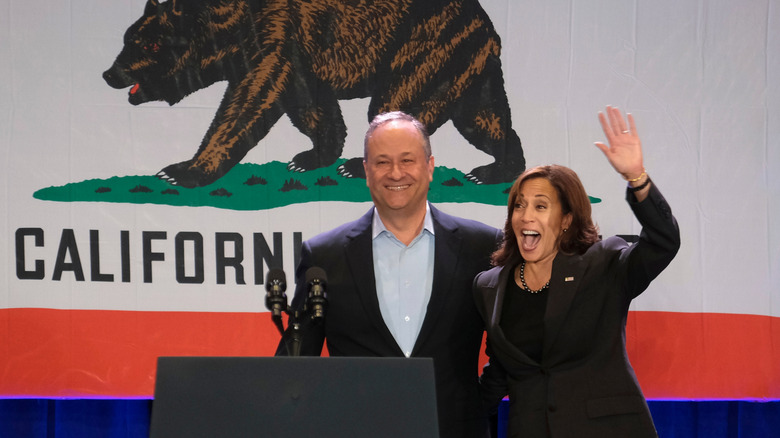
(381,119)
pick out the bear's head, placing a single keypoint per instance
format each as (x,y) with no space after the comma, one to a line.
(176,48)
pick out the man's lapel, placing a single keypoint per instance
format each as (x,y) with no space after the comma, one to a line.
(359,255)
(447,247)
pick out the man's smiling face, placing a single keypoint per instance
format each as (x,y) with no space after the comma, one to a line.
(398,173)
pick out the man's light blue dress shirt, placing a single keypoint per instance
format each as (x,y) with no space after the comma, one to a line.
(404,278)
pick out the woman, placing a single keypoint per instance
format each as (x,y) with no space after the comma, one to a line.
(555,305)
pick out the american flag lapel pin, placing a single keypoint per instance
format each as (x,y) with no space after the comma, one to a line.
(568,279)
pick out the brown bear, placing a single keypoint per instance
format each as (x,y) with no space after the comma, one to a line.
(435,59)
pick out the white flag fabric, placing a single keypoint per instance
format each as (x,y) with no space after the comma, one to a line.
(115,254)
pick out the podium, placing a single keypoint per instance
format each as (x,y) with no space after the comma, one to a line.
(282,397)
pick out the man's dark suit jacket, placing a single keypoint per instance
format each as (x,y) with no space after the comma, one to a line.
(584,386)
(452,330)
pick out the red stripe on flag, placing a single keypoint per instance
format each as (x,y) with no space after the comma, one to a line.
(98,353)
(705,355)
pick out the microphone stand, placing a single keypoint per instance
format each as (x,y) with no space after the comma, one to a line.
(277,320)
(314,307)
(296,334)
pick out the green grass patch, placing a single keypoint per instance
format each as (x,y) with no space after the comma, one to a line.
(264,186)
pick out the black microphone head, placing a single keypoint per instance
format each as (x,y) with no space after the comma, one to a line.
(275,275)
(316,273)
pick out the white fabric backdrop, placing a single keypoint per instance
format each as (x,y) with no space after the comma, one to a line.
(702,79)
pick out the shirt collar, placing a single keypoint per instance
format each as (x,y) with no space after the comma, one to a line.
(378,227)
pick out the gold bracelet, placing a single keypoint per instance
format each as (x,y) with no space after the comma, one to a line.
(644,172)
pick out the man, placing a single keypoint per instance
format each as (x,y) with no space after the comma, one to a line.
(400,277)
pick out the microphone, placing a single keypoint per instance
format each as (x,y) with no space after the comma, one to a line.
(275,298)
(317,301)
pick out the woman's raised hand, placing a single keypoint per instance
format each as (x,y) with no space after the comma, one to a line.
(625,150)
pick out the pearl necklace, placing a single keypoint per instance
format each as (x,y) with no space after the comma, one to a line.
(525,286)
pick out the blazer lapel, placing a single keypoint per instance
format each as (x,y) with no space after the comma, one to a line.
(447,246)
(359,255)
(498,338)
(498,303)
(566,276)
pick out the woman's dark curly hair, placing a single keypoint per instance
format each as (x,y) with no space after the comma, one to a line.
(581,234)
